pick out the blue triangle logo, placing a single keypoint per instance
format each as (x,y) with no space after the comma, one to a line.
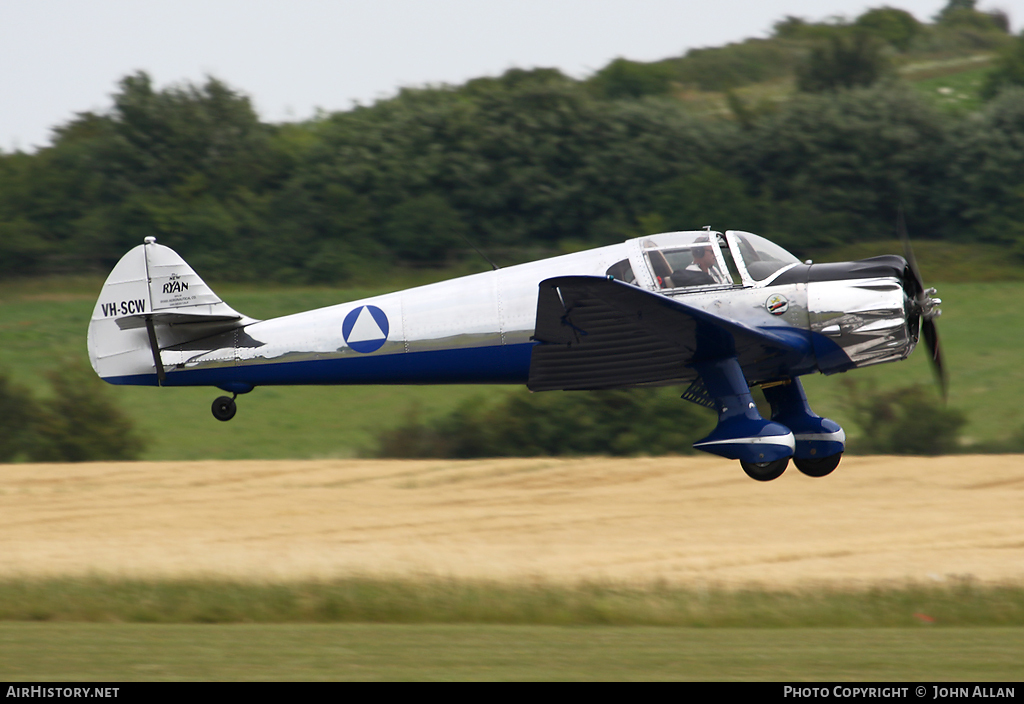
(365,329)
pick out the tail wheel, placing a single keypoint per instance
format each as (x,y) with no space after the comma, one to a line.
(224,408)
(765,471)
(818,466)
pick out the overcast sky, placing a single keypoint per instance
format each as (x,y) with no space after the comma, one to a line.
(60,57)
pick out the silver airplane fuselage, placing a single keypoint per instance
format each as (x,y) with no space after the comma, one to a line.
(479,329)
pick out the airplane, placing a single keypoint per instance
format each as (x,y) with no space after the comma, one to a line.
(720,312)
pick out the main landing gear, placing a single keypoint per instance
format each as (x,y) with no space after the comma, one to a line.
(820,442)
(764,447)
(224,408)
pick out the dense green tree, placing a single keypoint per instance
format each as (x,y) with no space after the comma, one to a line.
(1000,19)
(897,27)
(191,139)
(623,78)
(734,65)
(19,413)
(515,79)
(798,28)
(623,422)
(964,13)
(853,60)
(22,247)
(172,163)
(538,163)
(424,229)
(985,198)
(41,197)
(79,423)
(1007,69)
(952,7)
(960,23)
(708,197)
(835,166)
(905,421)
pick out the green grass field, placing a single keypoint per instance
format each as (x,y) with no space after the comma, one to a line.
(133,652)
(43,325)
(123,630)
(538,603)
(953,86)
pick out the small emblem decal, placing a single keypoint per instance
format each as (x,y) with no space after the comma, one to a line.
(365,329)
(777,305)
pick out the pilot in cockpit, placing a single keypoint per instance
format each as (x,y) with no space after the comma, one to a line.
(702,270)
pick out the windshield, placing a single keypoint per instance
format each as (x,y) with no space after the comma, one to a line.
(760,257)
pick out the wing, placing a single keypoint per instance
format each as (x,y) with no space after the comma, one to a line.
(597,333)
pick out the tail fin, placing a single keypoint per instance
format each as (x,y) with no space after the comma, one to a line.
(152,298)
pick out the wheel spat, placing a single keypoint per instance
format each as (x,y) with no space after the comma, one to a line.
(923,304)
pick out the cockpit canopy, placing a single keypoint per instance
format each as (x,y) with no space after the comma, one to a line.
(703,258)
(682,259)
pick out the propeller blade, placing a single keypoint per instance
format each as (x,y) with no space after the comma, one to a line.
(926,305)
(908,251)
(931,340)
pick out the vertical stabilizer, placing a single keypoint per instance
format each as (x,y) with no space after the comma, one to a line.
(174,286)
(151,299)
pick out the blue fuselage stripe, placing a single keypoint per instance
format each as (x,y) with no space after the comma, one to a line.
(504,364)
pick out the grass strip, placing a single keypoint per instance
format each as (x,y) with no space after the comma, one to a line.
(443,601)
(126,652)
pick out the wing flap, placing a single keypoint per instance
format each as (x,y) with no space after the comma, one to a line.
(596,333)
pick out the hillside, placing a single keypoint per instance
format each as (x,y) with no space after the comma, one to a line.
(813,137)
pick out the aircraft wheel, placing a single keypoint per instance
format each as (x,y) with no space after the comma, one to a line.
(224,408)
(765,471)
(818,466)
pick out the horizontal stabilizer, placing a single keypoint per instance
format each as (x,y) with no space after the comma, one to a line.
(130,322)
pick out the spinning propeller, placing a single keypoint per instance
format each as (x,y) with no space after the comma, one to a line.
(923,304)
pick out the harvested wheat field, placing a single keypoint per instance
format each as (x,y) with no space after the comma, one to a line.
(689,521)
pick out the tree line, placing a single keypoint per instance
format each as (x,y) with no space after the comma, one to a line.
(531,159)
(644,421)
(77,422)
